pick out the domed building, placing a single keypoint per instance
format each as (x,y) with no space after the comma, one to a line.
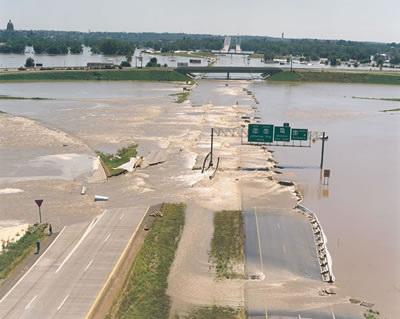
(10,26)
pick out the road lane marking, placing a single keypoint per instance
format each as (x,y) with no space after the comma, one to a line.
(333,315)
(108,236)
(62,302)
(86,233)
(30,302)
(122,216)
(278,226)
(88,265)
(29,270)
(284,248)
(116,267)
(259,241)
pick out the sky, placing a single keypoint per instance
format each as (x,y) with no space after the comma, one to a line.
(361,20)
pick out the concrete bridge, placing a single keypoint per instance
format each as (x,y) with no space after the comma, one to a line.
(264,71)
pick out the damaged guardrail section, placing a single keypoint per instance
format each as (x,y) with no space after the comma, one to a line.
(324,258)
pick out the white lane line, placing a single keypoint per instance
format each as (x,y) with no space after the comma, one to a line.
(284,248)
(86,233)
(88,265)
(30,302)
(62,302)
(108,236)
(259,241)
(29,270)
(278,226)
(333,315)
(122,216)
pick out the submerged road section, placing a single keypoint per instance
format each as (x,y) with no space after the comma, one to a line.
(280,242)
(66,279)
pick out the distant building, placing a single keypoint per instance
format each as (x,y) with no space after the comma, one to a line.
(10,26)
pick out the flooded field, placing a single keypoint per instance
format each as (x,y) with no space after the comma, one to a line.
(359,209)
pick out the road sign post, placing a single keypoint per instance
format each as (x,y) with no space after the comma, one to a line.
(324,138)
(39,203)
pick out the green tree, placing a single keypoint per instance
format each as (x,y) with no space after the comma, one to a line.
(29,63)
(125,64)
(152,63)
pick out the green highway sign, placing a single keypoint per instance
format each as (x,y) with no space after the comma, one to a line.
(282,133)
(299,134)
(263,133)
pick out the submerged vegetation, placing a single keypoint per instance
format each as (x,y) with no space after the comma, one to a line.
(110,162)
(144,294)
(154,74)
(15,252)
(377,98)
(227,244)
(336,76)
(181,96)
(8,97)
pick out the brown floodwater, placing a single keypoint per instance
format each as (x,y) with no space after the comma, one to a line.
(360,208)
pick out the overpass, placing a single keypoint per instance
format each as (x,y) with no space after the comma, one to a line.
(265,71)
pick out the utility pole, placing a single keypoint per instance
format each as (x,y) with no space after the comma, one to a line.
(324,138)
(212,146)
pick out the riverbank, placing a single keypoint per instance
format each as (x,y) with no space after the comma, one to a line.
(337,77)
(153,74)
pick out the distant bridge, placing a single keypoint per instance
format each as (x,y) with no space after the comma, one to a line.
(265,71)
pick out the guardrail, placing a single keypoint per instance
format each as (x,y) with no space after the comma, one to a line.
(324,257)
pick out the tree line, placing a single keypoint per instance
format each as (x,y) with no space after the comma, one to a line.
(121,43)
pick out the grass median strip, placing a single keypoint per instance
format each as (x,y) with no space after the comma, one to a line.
(17,251)
(146,74)
(215,312)
(227,253)
(110,162)
(144,294)
(336,76)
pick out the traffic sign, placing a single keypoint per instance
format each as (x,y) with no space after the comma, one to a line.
(263,133)
(282,133)
(299,134)
(39,202)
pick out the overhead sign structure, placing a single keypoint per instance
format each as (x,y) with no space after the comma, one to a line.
(299,134)
(282,133)
(262,133)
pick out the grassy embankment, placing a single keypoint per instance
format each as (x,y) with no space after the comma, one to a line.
(17,251)
(110,162)
(215,312)
(336,76)
(227,244)
(144,294)
(147,74)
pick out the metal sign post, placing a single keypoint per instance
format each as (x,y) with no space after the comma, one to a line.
(39,203)
(324,138)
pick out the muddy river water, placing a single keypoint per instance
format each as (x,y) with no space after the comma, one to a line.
(359,209)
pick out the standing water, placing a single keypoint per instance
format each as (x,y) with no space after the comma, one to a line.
(360,208)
